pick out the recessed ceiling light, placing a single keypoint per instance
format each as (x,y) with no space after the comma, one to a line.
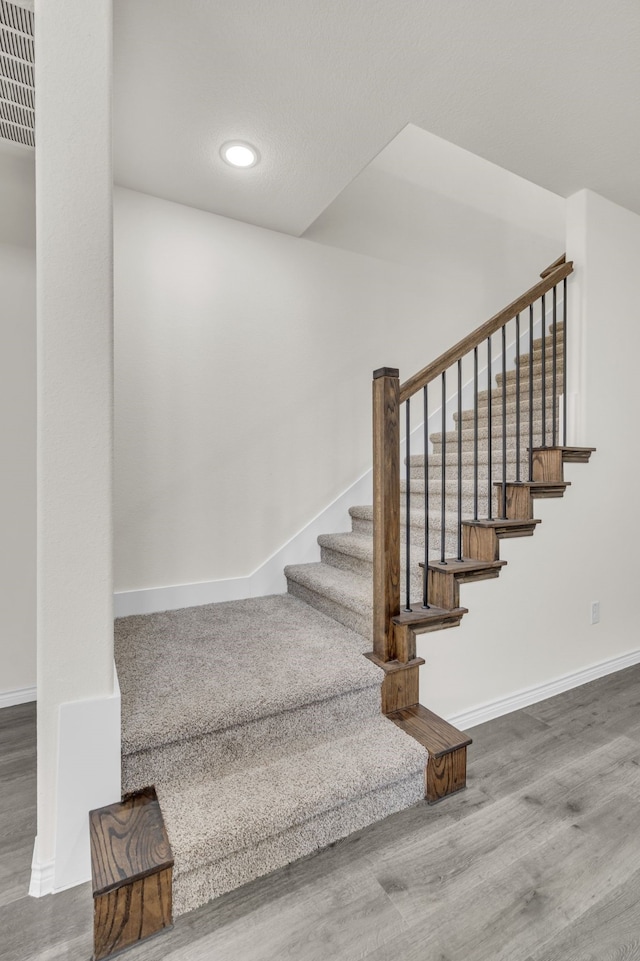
(239,154)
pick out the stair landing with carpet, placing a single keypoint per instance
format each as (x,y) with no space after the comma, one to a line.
(259,724)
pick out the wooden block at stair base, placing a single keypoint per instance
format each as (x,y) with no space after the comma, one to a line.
(548,464)
(480,542)
(400,689)
(446,770)
(446,774)
(132,873)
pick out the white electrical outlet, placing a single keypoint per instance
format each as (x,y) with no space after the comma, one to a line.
(595,612)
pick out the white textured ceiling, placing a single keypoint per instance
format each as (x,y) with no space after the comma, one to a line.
(550,90)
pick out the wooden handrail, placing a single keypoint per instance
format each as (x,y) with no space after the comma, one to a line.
(454,354)
(562,259)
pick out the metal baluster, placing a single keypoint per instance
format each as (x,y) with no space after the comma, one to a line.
(408,508)
(425,577)
(565,365)
(504,420)
(554,371)
(544,375)
(459,459)
(517,399)
(531,392)
(443,472)
(475,433)
(489,428)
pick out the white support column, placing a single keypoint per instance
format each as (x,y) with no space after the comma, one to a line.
(78,716)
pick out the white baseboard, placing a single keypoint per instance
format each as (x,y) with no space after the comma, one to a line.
(269,578)
(540,692)
(20,696)
(89,756)
(41,875)
(88,777)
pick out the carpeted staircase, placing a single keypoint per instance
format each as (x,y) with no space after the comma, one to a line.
(340,584)
(259,721)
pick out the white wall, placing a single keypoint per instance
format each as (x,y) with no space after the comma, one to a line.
(244,360)
(17,426)
(74,185)
(476,232)
(532,626)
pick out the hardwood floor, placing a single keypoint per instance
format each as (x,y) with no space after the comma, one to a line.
(538,860)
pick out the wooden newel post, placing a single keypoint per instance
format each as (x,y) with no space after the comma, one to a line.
(386,508)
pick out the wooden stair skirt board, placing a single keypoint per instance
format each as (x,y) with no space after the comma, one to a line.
(521,495)
(446,771)
(548,462)
(132,873)
(446,576)
(481,538)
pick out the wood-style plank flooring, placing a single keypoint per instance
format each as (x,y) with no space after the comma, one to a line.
(538,860)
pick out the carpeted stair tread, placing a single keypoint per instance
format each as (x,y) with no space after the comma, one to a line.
(244,745)
(468,433)
(210,819)
(365,512)
(342,587)
(175,668)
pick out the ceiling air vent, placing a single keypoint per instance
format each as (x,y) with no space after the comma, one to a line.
(17,117)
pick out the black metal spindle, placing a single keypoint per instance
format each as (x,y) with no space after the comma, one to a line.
(504,420)
(517,398)
(544,374)
(443,472)
(407,574)
(489,429)
(425,574)
(554,372)
(475,433)
(565,365)
(459,459)
(531,392)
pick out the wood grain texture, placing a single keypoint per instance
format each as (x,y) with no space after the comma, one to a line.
(548,464)
(131,913)
(433,732)
(562,259)
(519,502)
(445,578)
(128,841)
(132,870)
(444,589)
(520,496)
(390,667)
(480,542)
(451,356)
(422,620)
(445,775)
(577,455)
(386,508)
(400,689)
(404,642)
